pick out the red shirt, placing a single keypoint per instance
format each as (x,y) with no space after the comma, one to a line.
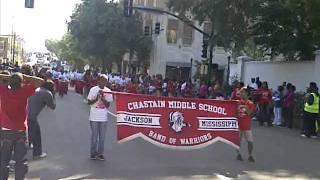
(265,96)
(244,118)
(187,92)
(132,88)
(158,84)
(14,107)
(172,87)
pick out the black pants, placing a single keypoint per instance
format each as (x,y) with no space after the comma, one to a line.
(13,141)
(288,116)
(264,114)
(309,124)
(35,136)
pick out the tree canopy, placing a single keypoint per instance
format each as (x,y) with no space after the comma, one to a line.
(99,30)
(99,34)
(287,27)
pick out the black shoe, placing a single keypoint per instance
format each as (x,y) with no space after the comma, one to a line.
(239,157)
(93,157)
(101,158)
(251,159)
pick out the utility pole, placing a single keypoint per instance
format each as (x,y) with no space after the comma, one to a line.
(14,48)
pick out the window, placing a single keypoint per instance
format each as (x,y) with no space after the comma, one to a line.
(139,2)
(187,38)
(172,31)
(1,45)
(150,3)
(148,20)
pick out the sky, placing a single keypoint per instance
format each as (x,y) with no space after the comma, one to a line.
(47,20)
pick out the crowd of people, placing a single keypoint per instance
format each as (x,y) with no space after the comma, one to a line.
(273,107)
(22,97)
(24,92)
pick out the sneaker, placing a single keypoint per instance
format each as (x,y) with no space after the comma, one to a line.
(101,158)
(251,159)
(314,137)
(43,155)
(12,166)
(93,157)
(239,157)
(30,147)
(303,135)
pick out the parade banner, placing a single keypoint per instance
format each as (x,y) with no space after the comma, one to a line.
(176,123)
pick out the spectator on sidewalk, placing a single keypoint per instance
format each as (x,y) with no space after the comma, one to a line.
(99,99)
(311,111)
(288,106)
(217,92)
(13,98)
(246,109)
(253,84)
(203,91)
(277,101)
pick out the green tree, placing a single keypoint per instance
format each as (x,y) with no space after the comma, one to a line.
(287,27)
(64,50)
(53,46)
(229,19)
(101,33)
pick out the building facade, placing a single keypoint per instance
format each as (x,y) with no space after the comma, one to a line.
(177,48)
(11,49)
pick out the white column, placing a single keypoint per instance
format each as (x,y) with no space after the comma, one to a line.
(317,67)
(0,17)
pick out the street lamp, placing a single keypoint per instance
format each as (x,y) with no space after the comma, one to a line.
(191,61)
(228,70)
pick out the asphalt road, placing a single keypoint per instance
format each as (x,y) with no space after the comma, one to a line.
(279,152)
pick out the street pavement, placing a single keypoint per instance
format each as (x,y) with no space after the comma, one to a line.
(280,153)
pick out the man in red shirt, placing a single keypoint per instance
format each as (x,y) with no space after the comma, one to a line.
(13,123)
(246,108)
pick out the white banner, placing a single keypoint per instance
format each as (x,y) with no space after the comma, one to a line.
(138,119)
(207,123)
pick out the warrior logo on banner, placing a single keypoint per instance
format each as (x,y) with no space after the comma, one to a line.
(176,123)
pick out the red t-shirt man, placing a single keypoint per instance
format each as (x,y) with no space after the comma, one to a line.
(244,117)
(14,106)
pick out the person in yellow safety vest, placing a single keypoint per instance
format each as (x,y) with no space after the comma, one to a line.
(311,111)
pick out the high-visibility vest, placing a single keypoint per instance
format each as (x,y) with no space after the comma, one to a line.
(313,108)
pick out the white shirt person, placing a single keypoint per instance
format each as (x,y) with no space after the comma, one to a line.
(99,99)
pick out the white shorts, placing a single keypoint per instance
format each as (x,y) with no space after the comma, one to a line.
(247,135)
